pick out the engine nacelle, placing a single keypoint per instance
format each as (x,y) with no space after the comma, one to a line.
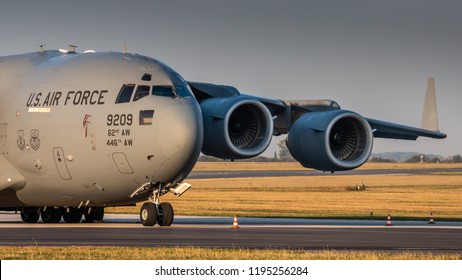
(331,140)
(235,127)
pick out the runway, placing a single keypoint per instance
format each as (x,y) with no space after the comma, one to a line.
(260,233)
(310,172)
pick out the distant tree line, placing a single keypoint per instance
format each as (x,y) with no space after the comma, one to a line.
(379,159)
(283,155)
(204,158)
(423,158)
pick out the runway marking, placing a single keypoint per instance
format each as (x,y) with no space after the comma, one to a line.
(10,220)
(138,225)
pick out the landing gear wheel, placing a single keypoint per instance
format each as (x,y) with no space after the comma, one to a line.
(30,215)
(96,214)
(51,215)
(74,216)
(165,214)
(148,214)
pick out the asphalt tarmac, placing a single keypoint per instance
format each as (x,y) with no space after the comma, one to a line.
(260,233)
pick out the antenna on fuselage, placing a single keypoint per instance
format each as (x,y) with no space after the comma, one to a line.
(42,48)
(125,48)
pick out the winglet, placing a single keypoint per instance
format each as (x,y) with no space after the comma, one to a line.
(430,115)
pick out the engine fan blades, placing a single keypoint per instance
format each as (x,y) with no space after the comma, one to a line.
(343,139)
(243,126)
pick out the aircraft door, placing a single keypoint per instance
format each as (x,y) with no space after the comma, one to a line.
(3,150)
(60,162)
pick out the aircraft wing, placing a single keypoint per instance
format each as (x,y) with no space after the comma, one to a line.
(321,135)
(285,113)
(430,127)
(383,129)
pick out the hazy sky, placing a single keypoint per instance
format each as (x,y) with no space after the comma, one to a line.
(372,57)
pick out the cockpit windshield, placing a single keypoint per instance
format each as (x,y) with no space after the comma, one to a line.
(125,93)
(163,81)
(183,90)
(181,87)
(163,91)
(141,91)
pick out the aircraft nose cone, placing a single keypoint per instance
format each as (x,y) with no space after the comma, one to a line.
(180,138)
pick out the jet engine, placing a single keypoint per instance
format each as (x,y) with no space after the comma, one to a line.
(331,140)
(235,127)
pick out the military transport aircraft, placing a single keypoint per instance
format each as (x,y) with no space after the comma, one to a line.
(83,131)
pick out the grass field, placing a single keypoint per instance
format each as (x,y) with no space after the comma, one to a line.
(324,196)
(122,253)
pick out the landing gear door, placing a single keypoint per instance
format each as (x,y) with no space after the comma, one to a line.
(60,162)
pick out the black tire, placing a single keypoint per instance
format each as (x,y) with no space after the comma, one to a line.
(165,214)
(73,216)
(148,214)
(30,215)
(96,215)
(51,215)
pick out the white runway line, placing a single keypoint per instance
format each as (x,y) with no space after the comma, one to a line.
(11,220)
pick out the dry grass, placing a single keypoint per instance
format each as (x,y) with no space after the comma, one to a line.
(404,196)
(126,253)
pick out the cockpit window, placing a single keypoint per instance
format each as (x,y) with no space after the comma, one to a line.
(141,91)
(163,91)
(125,93)
(182,91)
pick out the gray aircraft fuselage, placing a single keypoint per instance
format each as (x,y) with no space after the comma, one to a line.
(67,129)
(82,131)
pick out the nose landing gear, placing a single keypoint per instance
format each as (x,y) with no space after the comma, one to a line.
(165,214)
(153,211)
(148,214)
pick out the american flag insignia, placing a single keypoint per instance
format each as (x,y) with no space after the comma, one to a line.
(85,124)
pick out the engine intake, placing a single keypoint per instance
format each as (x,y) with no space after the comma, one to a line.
(331,140)
(235,127)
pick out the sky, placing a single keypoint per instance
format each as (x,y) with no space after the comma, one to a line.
(372,57)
